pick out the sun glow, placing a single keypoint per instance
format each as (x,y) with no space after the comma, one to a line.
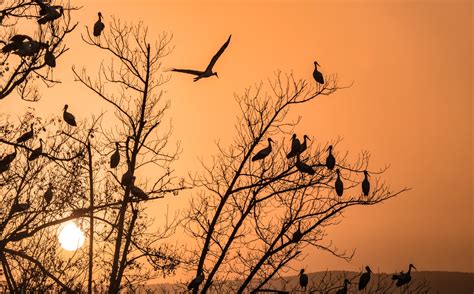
(70,236)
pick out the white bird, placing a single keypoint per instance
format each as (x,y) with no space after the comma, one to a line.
(98,26)
(208,72)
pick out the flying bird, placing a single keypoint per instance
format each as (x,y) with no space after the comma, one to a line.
(98,26)
(403,278)
(303,279)
(115,157)
(344,289)
(339,185)
(366,184)
(317,75)
(295,147)
(36,152)
(69,117)
(264,152)
(208,72)
(364,278)
(26,136)
(330,160)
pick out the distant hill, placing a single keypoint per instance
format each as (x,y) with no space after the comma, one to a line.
(422,282)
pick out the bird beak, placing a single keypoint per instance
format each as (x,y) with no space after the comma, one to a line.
(217,75)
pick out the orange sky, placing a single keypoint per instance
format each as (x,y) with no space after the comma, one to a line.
(410,105)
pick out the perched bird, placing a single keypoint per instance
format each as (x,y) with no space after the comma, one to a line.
(303,279)
(4,167)
(208,72)
(48,195)
(36,152)
(403,278)
(137,192)
(318,76)
(364,278)
(9,157)
(264,152)
(194,284)
(26,136)
(297,234)
(330,160)
(303,167)
(19,207)
(30,48)
(49,58)
(127,177)
(115,157)
(339,185)
(98,26)
(303,145)
(49,13)
(344,289)
(16,42)
(69,117)
(366,184)
(295,147)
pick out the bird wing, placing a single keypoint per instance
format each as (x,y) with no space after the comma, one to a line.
(218,54)
(188,71)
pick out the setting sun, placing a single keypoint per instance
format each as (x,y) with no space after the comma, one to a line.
(70,237)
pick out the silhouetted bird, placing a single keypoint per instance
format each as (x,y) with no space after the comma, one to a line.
(364,278)
(264,152)
(20,207)
(318,76)
(4,167)
(115,157)
(303,279)
(98,26)
(69,117)
(9,157)
(26,136)
(403,278)
(127,177)
(36,152)
(48,195)
(330,160)
(137,192)
(297,234)
(295,147)
(339,185)
(366,184)
(303,167)
(49,58)
(208,72)
(16,42)
(49,13)
(344,289)
(194,284)
(303,145)
(30,48)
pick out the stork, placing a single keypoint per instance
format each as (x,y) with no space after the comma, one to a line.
(317,75)
(115,157)
(366,184)
(264,152)
(137,192)
(48,195)
(343,290)
(295,147)
(194,284)
(339,185)
(303,145)
(364,278)
(49,13)
(49,58)
(98,26)
(303,279)
(303,167)
(403,278)
(330,160)
(26,136)
(69,117)
(36,152)
(297,235)
(208,71)
(8,158)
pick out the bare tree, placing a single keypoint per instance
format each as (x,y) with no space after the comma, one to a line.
(131,84)
(32,43)
(253,217)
